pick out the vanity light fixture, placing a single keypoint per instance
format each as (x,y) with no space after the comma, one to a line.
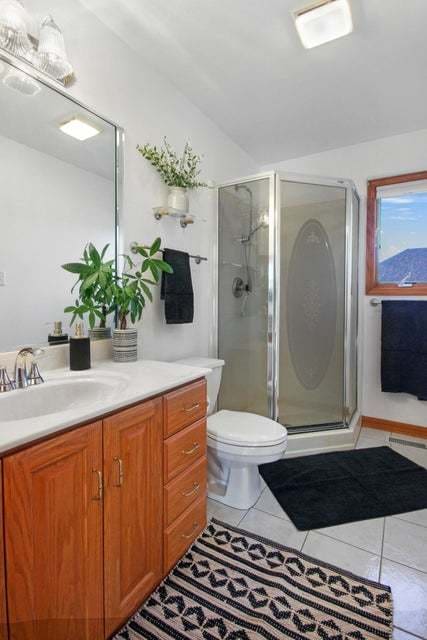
(323,21)
(79,129)
(14,22)
(51,53)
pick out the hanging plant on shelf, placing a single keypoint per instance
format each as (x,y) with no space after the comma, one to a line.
(178,173)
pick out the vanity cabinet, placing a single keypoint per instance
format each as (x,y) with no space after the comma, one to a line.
(185,470)
(53,511)
(95,517)
(3,609)
(133,451)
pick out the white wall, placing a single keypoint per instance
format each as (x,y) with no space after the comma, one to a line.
(124,88)
(387,156)
(46,206)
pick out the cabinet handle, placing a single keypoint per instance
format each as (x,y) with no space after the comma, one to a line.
(191,534)
(100,485)
(194,448)
(195,489)
(121,471)
(192,408)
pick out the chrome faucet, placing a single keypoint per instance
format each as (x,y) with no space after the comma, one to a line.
(24,377)
(6,384)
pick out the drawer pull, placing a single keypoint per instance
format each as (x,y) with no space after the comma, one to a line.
(191,534)
(100,485)
(192,408)
(121,471)
(194,449)
(194,490)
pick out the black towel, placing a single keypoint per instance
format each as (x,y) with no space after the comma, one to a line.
(404,348)
(177,288)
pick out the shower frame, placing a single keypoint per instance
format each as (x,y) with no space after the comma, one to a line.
(274,291)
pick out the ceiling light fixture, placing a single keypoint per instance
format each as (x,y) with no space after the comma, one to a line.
(20,81)
(323,22)
(79,129)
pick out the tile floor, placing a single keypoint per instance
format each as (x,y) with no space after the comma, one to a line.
(392,550)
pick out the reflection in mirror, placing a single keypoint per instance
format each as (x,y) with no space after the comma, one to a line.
(57,193)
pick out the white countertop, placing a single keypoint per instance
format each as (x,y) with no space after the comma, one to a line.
(120,385)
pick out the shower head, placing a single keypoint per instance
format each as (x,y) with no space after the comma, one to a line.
(262,224)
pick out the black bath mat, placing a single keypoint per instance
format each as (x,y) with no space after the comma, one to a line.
(336,488)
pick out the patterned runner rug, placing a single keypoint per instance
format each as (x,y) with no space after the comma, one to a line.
(234,585)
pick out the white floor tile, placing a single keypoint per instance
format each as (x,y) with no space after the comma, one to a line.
(339,554)
(417,517)
(277,529)
(365,534)
(419,456)
(378,435)
(409,589)
(223,512)
(398,634)
(268,503)
(406,543)
(372,438)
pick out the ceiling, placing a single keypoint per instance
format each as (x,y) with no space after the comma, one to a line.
(242,64)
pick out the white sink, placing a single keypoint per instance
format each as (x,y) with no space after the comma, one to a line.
(59,395)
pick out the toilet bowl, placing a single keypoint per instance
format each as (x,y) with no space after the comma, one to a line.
(238,442)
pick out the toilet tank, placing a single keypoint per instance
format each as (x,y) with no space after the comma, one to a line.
(213,379)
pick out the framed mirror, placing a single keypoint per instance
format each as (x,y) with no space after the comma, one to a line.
(59,190)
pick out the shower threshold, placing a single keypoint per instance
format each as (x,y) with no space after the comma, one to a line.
(311,428)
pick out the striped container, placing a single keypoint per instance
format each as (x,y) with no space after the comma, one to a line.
(125,345)
(100,333)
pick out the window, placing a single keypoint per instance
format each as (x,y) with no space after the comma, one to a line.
(396,245)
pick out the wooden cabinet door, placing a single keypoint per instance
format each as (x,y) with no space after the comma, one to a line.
(133,508)
(3,612)
(53,526)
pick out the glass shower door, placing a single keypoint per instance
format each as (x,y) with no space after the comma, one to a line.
(312,249)
(244,267)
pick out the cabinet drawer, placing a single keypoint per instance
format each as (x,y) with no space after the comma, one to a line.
(185,406)
(184,448)
(182,533)
(188,487)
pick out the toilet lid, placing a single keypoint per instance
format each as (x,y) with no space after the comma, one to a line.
(245,429)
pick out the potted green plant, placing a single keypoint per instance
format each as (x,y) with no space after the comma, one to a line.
(95,278)
(131,290)
(179,173)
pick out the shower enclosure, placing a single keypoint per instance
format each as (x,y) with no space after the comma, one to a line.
(287,299)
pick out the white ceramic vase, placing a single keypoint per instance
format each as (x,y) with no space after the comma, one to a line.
(178,199)
(125,345)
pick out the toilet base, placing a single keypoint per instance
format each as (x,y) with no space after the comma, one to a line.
(241,490)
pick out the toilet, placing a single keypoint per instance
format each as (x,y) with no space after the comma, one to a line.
(238,442)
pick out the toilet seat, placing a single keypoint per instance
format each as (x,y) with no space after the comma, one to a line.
(244,429)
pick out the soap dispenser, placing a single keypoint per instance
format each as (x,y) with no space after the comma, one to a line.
(57,336)
(79,350)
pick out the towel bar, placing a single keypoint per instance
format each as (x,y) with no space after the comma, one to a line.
(197,259)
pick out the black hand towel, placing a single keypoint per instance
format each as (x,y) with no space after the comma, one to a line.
(177,288)
(404,348)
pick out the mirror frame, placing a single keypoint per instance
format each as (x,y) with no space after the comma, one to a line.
(50,83)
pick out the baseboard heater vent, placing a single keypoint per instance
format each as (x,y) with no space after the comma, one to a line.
(408,443)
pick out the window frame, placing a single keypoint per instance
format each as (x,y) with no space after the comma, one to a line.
(373,287)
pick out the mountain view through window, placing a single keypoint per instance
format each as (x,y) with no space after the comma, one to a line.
(402,237)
